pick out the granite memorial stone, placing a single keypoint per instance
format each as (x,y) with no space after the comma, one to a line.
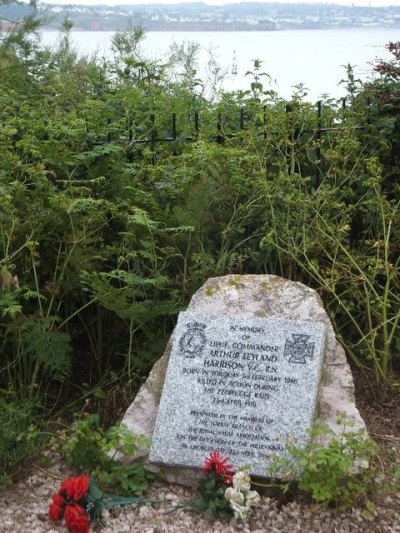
(248,297)
(243,385)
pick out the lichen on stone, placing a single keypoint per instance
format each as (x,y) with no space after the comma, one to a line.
(209,291)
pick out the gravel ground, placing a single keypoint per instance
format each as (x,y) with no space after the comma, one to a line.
(24,505)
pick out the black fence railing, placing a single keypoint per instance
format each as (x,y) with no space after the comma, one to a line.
(220,134)
(153,137)
(316,127)
(314,130)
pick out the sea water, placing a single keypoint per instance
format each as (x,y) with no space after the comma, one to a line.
(314,58)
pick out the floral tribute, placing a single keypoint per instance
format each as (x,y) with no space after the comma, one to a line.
(71,502)
(240,497)
(220,464)
(217,500)
(79,500)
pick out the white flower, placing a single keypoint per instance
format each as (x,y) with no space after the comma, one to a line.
(252,498)
(234,495)
(241,481)
(240,511)
(240,497)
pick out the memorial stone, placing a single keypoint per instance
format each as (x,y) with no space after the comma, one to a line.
(248,297)
(244,385)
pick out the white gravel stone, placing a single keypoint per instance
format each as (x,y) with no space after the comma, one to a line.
(18,515)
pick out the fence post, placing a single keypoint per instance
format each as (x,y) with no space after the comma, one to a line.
(343,111)
(46,135)
(265,121)
(109,137)
(129,148)
(130,132)
(153,138)
(196,125)
(88,143)
(289,153)
(174,126)
(220,137)
(318,150)
(265,118)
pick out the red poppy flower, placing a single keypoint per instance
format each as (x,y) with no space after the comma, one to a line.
(81,487)
(76,519)
(56,509)
(67,488)
(75,488)
(220,464)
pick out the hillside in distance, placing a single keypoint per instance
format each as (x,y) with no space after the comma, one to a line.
(202,17)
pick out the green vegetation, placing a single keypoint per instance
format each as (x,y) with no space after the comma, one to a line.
(335,469)
(20,435)
(211,498)
(88,448)
(106,231)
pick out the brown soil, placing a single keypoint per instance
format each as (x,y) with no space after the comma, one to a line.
(381,418)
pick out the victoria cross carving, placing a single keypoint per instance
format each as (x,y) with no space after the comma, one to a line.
(298,348)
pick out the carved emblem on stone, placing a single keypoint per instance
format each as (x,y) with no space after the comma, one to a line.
(299,348)
(193,340)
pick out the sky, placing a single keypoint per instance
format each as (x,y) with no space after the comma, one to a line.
(375,3)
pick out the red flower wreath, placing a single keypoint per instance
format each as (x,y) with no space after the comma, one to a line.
(69,503)
(80,500)
(220,464)
(76,519)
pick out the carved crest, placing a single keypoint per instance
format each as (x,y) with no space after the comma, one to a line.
(298,349)
(193,341)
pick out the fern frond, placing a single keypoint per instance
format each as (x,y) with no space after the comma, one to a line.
(134,280)
(141,218)
(30,294)
(129,301)
(9,305)
(180,229)
(50,347)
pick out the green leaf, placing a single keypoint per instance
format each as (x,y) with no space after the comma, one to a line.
(50,347)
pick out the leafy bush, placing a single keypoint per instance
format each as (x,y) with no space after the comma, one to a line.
(334,469)
(211,499)
(89,448)
(20,435)
(355,270)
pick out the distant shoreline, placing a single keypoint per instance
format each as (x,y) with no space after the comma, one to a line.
(222,29)
(249,17)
